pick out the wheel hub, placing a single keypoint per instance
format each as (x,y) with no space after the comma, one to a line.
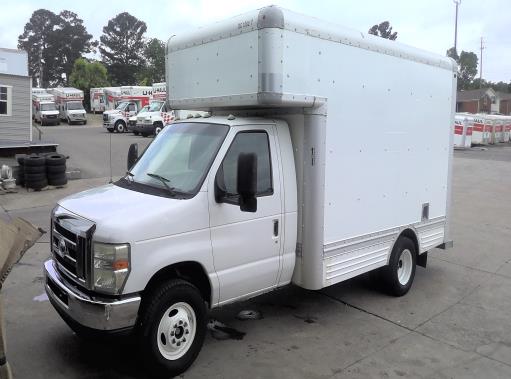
(176,331)
(405,267)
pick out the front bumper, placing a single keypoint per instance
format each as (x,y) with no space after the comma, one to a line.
(88,311)
(50,120)
(147,128)
(108,125)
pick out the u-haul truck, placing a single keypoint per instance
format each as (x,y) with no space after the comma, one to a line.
(263,191)
(69,102)
(152,122)
(44,109)
(97,100)
(160,91)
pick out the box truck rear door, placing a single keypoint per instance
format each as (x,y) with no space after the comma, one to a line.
(246,245)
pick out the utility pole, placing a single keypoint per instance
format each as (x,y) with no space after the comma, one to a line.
(457,2)
(481,64)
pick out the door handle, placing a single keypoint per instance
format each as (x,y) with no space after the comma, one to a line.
(275,228)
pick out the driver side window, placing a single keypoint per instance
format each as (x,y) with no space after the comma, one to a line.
(256,142)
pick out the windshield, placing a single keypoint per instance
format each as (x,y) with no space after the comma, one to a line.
(48,107)
(180,156)
(155,106)
(122,105)
(144,109)
(74,105)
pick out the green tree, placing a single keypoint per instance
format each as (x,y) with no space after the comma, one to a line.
(122,47)
(467,69)
(383,30)
(154,70)
(86,75)
(53,42)
(452,53)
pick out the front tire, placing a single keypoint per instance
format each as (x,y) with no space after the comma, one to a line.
(120,127)
(399,274)
(157,129)
(172,328)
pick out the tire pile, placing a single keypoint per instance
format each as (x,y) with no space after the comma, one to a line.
(38,171)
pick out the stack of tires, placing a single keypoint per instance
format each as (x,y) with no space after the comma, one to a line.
(35,172)
(56,169)
(21,171)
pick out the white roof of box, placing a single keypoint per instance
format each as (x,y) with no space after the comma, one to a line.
(13,62)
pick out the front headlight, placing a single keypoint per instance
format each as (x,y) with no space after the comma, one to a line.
(111,267)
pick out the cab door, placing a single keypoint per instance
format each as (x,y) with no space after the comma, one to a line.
(246,245)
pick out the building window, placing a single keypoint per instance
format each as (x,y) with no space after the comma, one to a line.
(5,100)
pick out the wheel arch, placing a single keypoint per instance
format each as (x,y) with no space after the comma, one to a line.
(410,233)
(191,271)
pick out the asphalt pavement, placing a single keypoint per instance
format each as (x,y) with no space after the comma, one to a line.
(91,146)
(454,323)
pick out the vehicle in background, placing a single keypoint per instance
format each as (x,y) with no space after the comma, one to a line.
(69,103)
(117,119)
(160,91)
(141,95)
(154,120)
(463,125)
(264,191)
(44,110)
(132,121)
(37,90)
(97,100)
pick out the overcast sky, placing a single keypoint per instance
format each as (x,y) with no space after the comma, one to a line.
(427,24)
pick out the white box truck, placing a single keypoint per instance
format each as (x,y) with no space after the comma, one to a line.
(69,102)
(44,109)
(97,100)
(265,190)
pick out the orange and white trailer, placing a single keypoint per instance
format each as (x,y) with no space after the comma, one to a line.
(481,132)
(507,128)
(463,125)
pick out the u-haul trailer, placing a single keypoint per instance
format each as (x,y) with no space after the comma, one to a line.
(507,128)
(481,133)
(462,131)
(265,190)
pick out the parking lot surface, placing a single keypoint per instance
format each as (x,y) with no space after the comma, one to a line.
(454,322)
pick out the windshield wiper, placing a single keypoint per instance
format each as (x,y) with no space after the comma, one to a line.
(163,180)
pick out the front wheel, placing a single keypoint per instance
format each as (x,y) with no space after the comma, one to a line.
(158,128)
(172,328)
(120,127)
(399,274)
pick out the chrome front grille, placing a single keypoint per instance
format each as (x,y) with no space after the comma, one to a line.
(105,117)
(71,239)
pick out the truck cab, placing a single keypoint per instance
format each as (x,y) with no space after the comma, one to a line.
(132,121)
(154,120)
(73,112)
(117,119)
(46,113)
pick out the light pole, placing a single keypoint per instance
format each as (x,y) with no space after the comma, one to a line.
(457,2)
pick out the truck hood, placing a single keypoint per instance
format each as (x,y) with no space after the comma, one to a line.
(122,215)
(112,111)
(76,111)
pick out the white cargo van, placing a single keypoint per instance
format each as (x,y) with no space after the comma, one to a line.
(44,109)
(265,190)
(69,102)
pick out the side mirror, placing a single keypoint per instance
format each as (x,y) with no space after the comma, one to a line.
(132,155)
(247,182)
